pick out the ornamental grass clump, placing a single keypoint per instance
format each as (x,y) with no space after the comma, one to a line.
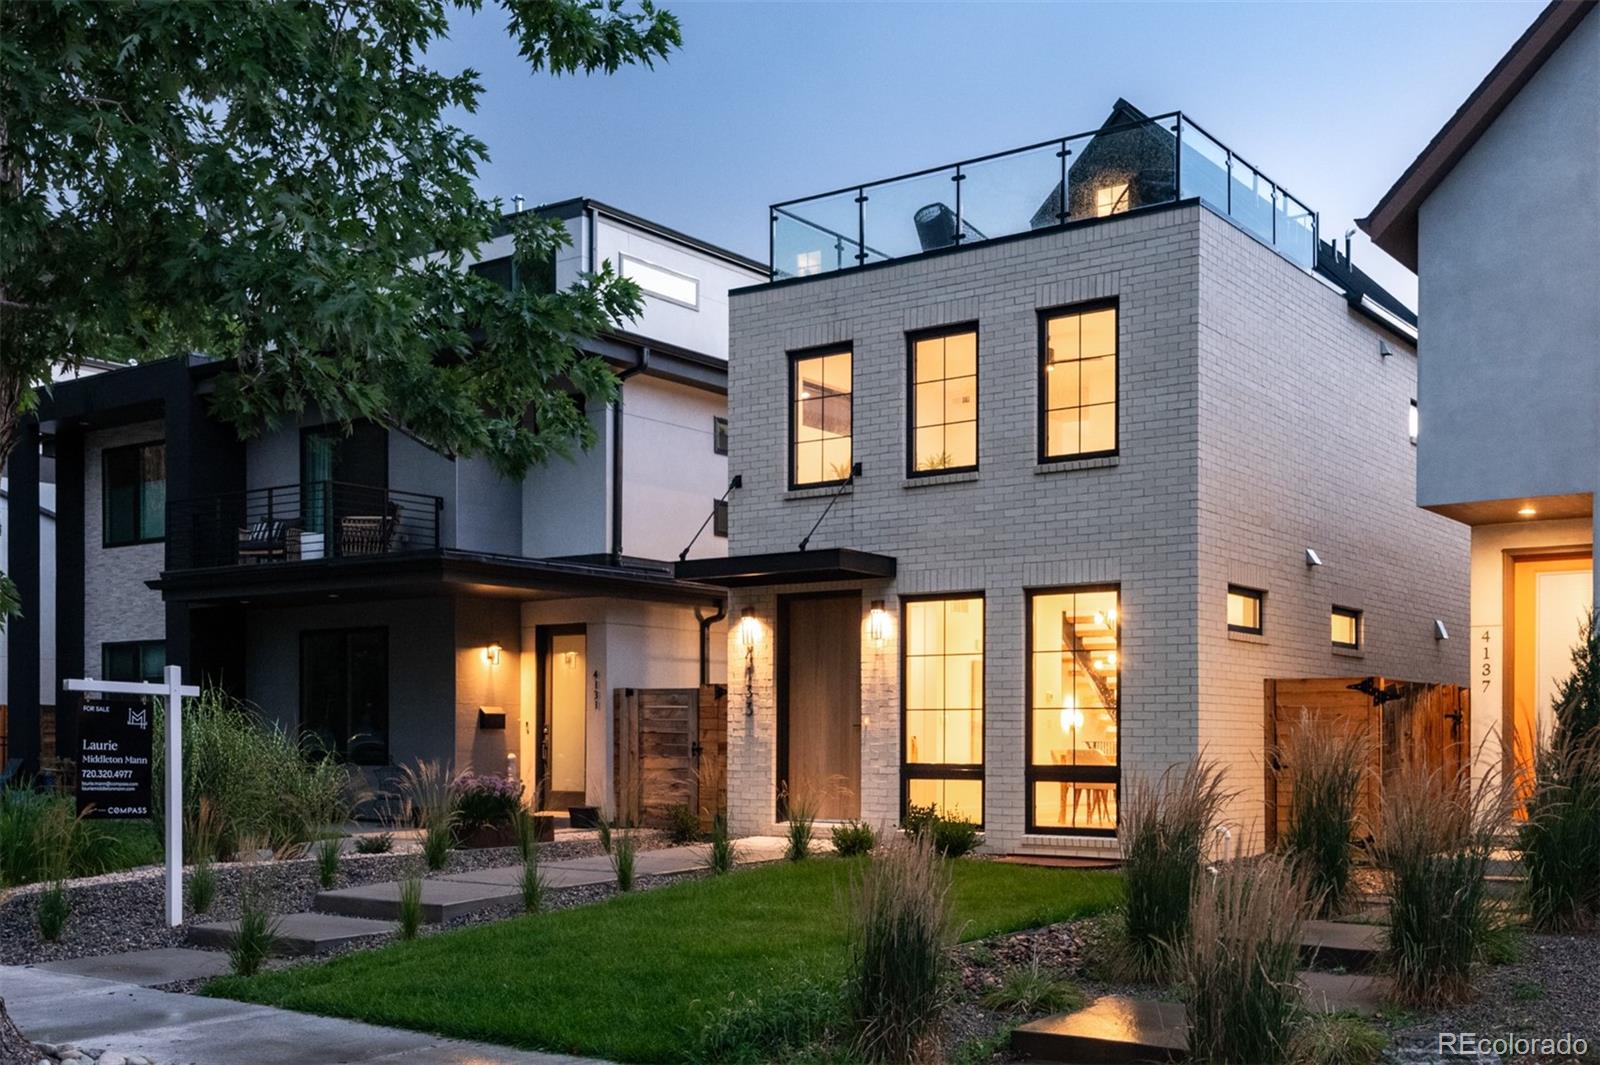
(723,852)
(430,804)
(36,844)
(1433,849)
(329,849)
(1559,843)
(483,800)
(1167,824)
(1329,768)
(802,811)
(410,906)
(257,927)
(898,968)
(624,846)
(1237,967)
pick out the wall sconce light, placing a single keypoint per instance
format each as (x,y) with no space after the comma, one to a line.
(878,624)
(1312,558)
(749,635)
(749,629)
(1439,631)
(491,654)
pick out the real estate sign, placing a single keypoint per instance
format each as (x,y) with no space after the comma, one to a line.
(114,748)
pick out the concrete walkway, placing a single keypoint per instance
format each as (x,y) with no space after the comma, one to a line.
(56,1007)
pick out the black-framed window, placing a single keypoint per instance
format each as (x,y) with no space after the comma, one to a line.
(134,494)
(719,436)
(942,741)
(1346,628)
(344,692)
(1074,709)
(1078,381)
(820,387)
(133,660)
(1413,422)
(943,401)
(1247,610)
(719,517)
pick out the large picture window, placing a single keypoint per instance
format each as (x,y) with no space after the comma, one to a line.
(1074,681)
(344,693)
(944,401)
(134,496)
(943,734)
(819,430)
(1078,382)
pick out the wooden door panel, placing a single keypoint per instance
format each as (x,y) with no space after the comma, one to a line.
(823,703)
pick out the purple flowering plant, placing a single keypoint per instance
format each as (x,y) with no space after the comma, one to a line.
(482,799)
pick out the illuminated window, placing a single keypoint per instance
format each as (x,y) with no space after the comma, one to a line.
(660,282)
(944,706)
(1245,610)
(1346,628)
(807,263)
(1110,199)
(1413,423)
(1078,383)
(1074,677)
(944,402)
(820,430)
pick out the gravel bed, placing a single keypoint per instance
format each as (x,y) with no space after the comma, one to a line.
(119,912)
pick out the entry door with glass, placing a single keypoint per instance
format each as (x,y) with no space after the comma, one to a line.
(1551,595)
(563,706)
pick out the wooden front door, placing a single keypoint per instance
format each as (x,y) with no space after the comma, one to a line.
(819,704)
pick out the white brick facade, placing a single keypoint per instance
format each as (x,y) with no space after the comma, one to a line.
(1256,419)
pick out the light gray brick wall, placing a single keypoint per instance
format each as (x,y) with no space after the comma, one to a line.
(118,605)
(1209,321)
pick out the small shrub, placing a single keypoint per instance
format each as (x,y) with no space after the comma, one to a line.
(1029,990)
(202,886)
(802,813)
(683,826)
(1166,826)
(375,842)
(328,853)
(919,819)
(954,837)
(431,802)
(1433,851)
(1577,699)
(483,801)
(899,931)
(793,1017)
(410,906)
(853,838)
(1559,843)
(52,910)
(723,852)
(1237,967)
(623,848)
(603,833)
(1336,1039)
(1328,769)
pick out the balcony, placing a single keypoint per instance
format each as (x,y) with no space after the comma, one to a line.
(1128,163)
(315,521)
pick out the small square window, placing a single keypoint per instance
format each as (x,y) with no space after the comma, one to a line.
(719,435)
(1245,610)
(719,518)
(1413,422)
(1346,624)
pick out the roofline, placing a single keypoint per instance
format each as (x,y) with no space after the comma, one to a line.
(571,208)
(1392,224)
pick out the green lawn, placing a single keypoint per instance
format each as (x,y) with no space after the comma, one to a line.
(634,978)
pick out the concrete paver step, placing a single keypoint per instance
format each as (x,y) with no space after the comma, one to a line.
(1111,1030)
(1340,944)
(146,968)
(442,900)
(298,933)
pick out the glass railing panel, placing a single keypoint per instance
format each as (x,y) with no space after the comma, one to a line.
(913,215)
(1295,230)
(1205,168)
(1013,193)
(1251,198)
(815,236)
(1121,169)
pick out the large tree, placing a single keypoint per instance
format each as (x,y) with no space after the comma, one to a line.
(279,183)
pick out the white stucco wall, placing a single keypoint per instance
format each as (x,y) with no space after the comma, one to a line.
(671,474)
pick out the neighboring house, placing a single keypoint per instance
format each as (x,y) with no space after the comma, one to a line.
(391,601)
(1050,462)
(1500,217)
(46,609)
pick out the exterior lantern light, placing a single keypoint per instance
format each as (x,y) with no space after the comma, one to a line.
(491,654)
(878,624)
(749,629)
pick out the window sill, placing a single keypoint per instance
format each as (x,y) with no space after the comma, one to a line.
(1248,637)
(964,477)
(819,493)
(1349,652)
(1073,465)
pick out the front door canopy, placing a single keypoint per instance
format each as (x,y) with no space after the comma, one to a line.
(789,567)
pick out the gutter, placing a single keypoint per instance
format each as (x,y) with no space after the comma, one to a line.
(706,621)
(616,455)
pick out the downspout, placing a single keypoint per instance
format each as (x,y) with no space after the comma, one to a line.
(705,638)
(616,456)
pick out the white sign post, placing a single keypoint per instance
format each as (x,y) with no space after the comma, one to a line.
(173,690)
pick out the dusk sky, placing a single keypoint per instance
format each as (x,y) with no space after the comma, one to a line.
(770,101)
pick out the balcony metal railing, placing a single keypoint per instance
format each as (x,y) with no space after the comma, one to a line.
(1116,168)
(299,523)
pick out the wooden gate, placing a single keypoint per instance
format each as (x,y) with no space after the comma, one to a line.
(1410,725)
(671,749)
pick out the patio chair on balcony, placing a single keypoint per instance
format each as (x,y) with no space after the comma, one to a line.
(936,227)
(269,540)
(369,534)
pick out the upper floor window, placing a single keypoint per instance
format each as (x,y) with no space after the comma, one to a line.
(1413,422)
(819,429)
(1110,199)
(1078,382)
(1246,610)
(719,436)
(719,517)
(944,401)
(1346,625)
(134,497)
(660,282)
(133,660)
